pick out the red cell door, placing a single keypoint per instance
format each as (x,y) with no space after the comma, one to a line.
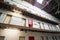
(31,38)
(30,23)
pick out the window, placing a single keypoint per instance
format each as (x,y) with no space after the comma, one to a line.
(40,1)
(7,19)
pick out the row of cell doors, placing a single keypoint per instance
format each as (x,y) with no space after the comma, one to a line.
(23,38)
(20,38)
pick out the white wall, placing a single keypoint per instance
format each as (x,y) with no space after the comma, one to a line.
(10,34)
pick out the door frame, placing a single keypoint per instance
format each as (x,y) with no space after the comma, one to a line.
(3,37)
(21,37)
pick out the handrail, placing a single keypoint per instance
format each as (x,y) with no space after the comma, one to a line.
(25,22)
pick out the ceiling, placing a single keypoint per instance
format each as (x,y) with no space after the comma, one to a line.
(50,6)
(53,8)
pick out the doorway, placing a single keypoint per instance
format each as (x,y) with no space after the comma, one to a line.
(31,38)
(2,37)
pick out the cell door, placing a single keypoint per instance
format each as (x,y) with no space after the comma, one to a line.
(31,38)
(2,37)
(21,38)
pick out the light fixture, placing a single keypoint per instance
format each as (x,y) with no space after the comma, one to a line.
(40,1)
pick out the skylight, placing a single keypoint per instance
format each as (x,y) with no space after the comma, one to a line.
(40,1)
